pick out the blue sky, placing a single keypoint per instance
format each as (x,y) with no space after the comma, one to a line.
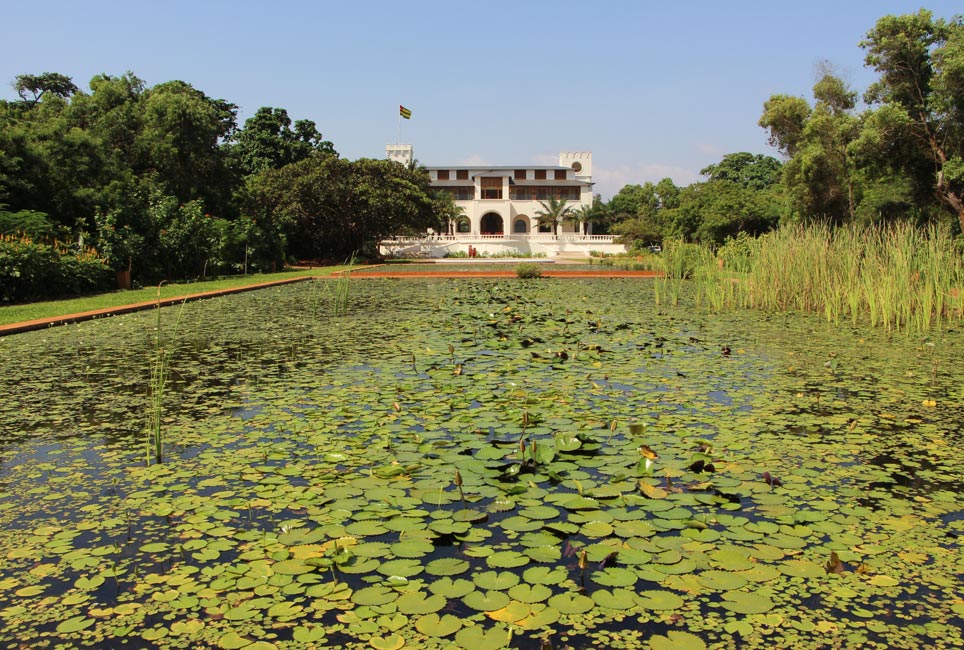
(653,89)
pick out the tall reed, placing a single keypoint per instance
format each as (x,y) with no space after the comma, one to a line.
(342,289)
(898,277)
(160,367)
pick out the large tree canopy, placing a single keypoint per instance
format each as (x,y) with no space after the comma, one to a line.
(329,206)
(267,141)
(920,100)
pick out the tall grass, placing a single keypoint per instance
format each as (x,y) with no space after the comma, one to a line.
(341,291)
(900,277)
(160,368)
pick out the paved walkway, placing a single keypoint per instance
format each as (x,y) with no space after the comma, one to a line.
(358,273)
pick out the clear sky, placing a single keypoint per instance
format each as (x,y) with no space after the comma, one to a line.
(653,89)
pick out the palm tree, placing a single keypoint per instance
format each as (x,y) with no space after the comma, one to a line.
(581,216)
(552,212)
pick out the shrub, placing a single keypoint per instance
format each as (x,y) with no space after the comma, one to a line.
(32,270)
(528,270)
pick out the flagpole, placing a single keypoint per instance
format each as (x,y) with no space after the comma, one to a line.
(398,132)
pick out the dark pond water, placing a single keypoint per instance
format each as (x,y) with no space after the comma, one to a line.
(480,464)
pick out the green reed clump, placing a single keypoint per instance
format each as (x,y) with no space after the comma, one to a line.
(160,367)
(681,261)
(340,289)
(899,277)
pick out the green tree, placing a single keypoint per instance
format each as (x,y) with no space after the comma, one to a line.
(182,132)
(755,172)
(331,208)
(920,102)
(552,213)
(581,216)
(47,83)
(820,173)
(268,141)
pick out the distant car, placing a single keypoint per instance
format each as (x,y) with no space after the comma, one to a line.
(655,249)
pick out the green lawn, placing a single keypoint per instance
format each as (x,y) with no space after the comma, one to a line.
(54,308)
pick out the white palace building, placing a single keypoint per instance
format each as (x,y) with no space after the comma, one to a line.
(500,207)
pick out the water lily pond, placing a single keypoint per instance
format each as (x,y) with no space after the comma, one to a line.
(481,464)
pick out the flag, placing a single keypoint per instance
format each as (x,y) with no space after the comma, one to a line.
(404,112)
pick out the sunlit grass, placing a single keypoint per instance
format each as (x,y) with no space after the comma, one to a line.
(54,308)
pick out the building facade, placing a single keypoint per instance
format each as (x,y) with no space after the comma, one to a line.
(501,205)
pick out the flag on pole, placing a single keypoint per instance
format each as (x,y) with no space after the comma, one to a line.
(404,112)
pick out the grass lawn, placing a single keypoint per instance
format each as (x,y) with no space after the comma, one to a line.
(53,308)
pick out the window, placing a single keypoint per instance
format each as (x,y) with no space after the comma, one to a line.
(462,174)
(491,188)
(442,174)
(560,174)
(461,192)
(464,225)
(519,174)
(540,174)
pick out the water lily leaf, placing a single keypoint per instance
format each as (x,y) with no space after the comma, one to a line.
(506,560)
(74,624)
(722,580)
(452,588)
(367,528)
(511,613)
(530,593)
(801,569)
(731,559)
(448,566)
(486,601)
(498,580)
(597,529)
(233,641)
(619,599)
(742,602)
(374,595)
(659,599)
(405,568)
(544,553)
(292,567)
(540,617)
(571,603)
(544,575)
(284,610)
(615,577)
(412,548)
(418,602)
(477,638)
(566,442)
(390,642)
(309,633)
(540,512)
(676,640)
(438,626)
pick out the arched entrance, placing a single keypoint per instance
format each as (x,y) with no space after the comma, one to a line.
(521,225)
(463,226)
(491,224)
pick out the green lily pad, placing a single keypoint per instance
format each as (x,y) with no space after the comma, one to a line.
(438,626)
(742,602)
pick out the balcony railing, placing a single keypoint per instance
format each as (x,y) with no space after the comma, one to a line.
(535,237)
